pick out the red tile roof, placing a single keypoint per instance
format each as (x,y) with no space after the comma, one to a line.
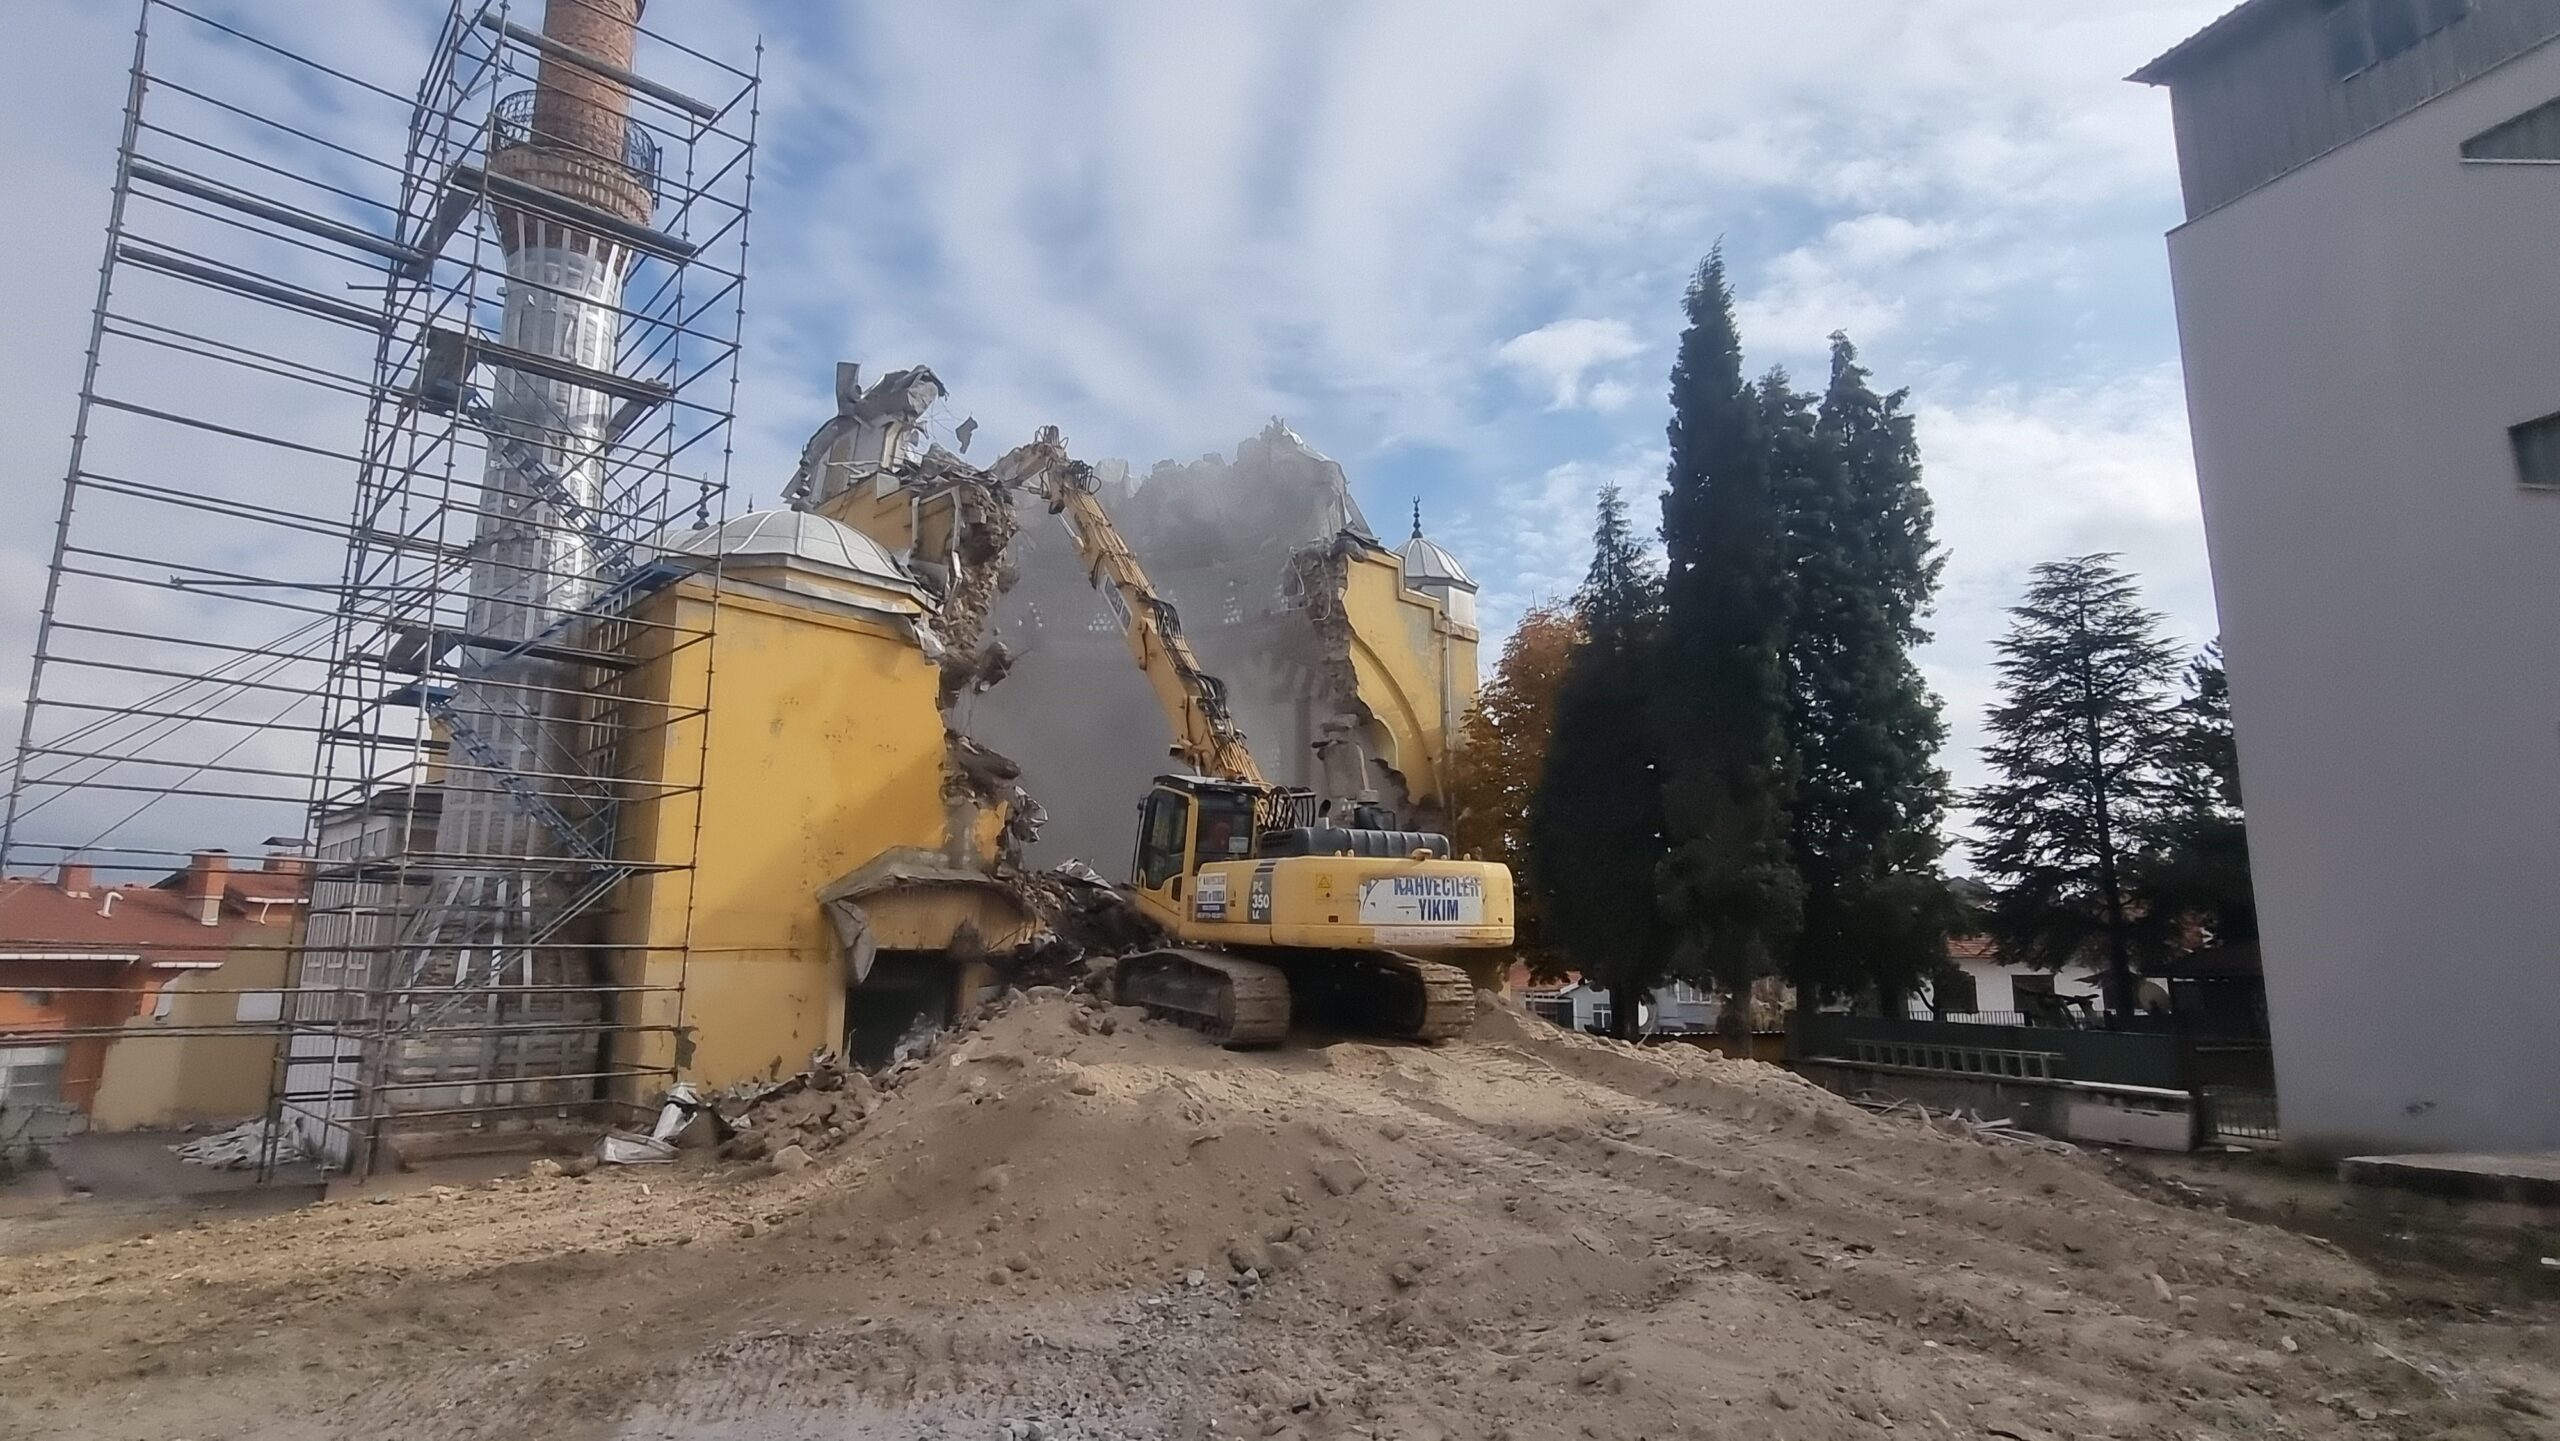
(157,923)
(291,884)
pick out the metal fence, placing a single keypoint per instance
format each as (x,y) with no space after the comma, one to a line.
(2231,1077)
(2239,1113)
(2123,1058)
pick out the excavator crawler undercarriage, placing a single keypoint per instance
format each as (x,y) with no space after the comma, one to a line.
(1245,1004)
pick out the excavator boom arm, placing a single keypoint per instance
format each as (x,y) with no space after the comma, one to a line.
(1205,733)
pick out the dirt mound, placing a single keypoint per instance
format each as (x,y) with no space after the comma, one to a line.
(1066,1223)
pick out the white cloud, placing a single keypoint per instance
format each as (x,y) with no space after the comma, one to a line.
(1158,223)
(1608,395)
(1535,532)
(1170,220)
(1562,353)
(2098,464)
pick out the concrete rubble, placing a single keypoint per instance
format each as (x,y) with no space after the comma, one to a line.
(243,1147)
(1062,1216)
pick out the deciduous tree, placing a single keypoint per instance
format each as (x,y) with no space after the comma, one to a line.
(1504,755)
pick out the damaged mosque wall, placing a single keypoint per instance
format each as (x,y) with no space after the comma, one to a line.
(1344,678)
(1348,665)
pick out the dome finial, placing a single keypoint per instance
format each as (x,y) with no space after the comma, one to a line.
(1417,517)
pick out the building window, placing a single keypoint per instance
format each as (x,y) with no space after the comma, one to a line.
(2364,33)
(2537,444)
(31,1075)
(2534,135)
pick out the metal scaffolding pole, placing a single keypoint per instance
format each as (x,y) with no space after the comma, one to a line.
(390,390)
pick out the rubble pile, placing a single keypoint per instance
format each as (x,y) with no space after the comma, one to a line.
(1086,913)
(1060,1220)
(1101,1226)
(824,1106)
(243,1147)
(812,1112)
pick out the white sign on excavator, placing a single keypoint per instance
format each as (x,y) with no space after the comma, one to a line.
(1422,901)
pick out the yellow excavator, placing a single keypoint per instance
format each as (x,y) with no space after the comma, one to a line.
(1280,907)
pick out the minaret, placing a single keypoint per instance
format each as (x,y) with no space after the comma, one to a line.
(534,558)
(572,137)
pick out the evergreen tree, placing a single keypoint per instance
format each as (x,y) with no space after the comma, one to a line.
(1495,777)
(2207,754)
(1595,826)
(1732,896)
(2198,867)
(2083,743)
(1864,827)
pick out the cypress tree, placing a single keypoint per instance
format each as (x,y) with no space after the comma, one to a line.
(1728,889)
(2083,745)
(1596,823)
(1864,826)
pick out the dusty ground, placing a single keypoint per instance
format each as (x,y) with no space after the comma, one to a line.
(1047,1234)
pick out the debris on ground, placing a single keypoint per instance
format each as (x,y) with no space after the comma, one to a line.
(1964,1121)
(1065,1215)
(813,1111)
(625,1148)
(243,1147)
(1090,917)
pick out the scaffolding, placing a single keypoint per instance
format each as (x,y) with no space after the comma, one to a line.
(388,395)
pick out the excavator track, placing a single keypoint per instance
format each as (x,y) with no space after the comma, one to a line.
(1383,993)
(1238,1003)
(1449,1002)
(1245,1004)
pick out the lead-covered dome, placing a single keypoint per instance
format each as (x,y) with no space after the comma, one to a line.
(1426,563)
(799,544)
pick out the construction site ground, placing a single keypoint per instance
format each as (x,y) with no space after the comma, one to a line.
(1070,1223)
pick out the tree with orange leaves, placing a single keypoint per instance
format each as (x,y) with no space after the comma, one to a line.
(1505,753)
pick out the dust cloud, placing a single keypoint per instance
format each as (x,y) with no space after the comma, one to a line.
(1250,553)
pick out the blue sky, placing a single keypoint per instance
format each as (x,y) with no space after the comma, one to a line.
(1447,241)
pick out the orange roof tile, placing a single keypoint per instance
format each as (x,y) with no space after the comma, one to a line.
(37,915)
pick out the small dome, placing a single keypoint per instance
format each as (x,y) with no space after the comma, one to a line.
(1425,563)
(794,539)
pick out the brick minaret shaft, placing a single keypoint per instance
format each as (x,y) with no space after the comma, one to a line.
(580,118)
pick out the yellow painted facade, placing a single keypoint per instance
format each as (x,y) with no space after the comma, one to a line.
(911,519)
(778,741)
(157,1076)
(812,736)
(1416,670)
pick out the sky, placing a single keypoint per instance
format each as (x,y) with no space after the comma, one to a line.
(1446,241)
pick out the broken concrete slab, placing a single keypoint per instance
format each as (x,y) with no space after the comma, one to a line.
(2529,1179)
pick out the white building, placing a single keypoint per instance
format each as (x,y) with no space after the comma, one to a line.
(2368,290)
(1677,1007)
(2001,992)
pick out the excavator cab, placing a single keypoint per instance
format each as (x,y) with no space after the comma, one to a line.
(1185,821)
